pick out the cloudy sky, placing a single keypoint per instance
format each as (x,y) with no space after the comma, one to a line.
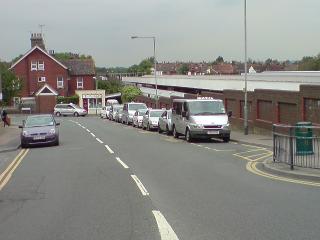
(188,30)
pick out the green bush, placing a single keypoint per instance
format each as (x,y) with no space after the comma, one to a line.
(72,99)
(129,93)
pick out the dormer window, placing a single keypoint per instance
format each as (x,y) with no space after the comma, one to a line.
(41,65)
(34,66)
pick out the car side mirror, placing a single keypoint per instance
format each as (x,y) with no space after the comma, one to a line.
(229,113)
(57,124)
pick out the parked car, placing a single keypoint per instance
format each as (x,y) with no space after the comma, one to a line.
(165,123)
(69,110)
(151,119)
(39,130)
(113,110)
(200,118)
(129,109)
(138,117)
(104,113)
(118,115)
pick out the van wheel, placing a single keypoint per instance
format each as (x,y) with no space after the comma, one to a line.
(58,114)
(188,136)
(175,134)
(76,114)
(159,129)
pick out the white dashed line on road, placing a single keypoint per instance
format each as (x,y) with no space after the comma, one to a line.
(83,127)
(99,140)
(140,185)
(166,231)
(88,130)
(93,135)
(122,163)
(109,149)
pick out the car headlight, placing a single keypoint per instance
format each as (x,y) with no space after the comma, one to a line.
(25,133)
(194,125)
(226,126)
(52,131)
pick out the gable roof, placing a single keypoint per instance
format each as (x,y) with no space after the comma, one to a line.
(44,52)
(80,66)
(46,90)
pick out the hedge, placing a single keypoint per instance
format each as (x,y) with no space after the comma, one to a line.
(72,99)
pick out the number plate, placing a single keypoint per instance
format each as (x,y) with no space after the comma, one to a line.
(213,132)
(39,137)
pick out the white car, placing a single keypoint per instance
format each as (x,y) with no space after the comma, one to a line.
(105,112)
(151,119)
(138,117)
(165,124)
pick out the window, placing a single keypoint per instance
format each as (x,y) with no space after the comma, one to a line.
(60,82)
(41,79)
(34,66)
(80,82)
(41,65)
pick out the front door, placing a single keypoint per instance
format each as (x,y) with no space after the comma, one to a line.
(85,104)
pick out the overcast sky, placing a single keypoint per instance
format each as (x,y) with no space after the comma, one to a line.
(187,30)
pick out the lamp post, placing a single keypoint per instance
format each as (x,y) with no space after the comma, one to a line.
(96,83)
(246,130)
(155,63)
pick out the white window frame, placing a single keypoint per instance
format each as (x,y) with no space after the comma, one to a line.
(79,83)
(34,66)
(41,65)
(60,82)
(41,79)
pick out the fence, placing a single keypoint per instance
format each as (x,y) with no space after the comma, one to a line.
(297,145)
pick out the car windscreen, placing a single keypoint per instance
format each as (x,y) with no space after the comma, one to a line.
(142,112)
(115,108)
(156,113)
(39,121)
(137,106)
(206,108)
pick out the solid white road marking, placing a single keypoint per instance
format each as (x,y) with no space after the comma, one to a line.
(140,185)
(99,140)
(166,231)
(93,135)
(109,149)
(122,163)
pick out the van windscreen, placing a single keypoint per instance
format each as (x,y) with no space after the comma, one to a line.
(137,106)
(206,108)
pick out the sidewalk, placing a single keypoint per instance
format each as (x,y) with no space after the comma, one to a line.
(261,140)
(9,138)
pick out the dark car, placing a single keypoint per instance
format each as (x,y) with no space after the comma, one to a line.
(39,130)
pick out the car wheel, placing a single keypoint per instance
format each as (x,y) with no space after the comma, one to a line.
(58,114)
(76,114)
(159,129)
(175,134)
(188,136)
(226,139)
(168,131)
(57,142)
(24,145)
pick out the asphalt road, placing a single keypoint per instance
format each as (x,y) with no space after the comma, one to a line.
(85,190)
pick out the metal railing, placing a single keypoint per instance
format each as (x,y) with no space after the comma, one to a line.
(296,145)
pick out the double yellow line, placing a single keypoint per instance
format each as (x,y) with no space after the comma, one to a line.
(6,175)
(252,167)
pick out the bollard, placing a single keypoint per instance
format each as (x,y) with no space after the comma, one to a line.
(274,142)
(291,149)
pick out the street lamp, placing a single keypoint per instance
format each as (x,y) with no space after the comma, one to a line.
(155,63)
(246,130)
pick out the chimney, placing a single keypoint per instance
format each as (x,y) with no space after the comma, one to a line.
(37,40)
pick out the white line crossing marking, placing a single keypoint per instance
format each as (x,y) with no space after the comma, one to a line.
(99,140)
(122,163)
(109,149)
(93,135)
(166,231)
(140,185)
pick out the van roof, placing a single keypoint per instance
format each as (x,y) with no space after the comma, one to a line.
(197,100)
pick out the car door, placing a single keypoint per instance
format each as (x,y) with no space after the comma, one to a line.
(162,120)
(145,119)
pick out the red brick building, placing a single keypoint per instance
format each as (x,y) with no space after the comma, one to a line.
(37,68)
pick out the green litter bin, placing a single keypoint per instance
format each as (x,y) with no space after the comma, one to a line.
(303,136)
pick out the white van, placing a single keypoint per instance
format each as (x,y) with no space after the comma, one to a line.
(129,109)
(200,118)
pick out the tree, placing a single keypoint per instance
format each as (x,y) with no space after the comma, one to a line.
(143,67)
(310,63)
(11,85)
(183,69)
(219,60)
(111,86)
(129,93)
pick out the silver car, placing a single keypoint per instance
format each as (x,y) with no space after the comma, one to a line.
(104,111)
(113,110)
(151,119)
(138,117)
(118,115)
(69,110)
(129,109)
(165,123)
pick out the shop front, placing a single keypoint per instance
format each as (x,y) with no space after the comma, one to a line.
(91,100)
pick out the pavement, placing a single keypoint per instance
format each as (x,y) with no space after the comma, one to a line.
(10,141)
